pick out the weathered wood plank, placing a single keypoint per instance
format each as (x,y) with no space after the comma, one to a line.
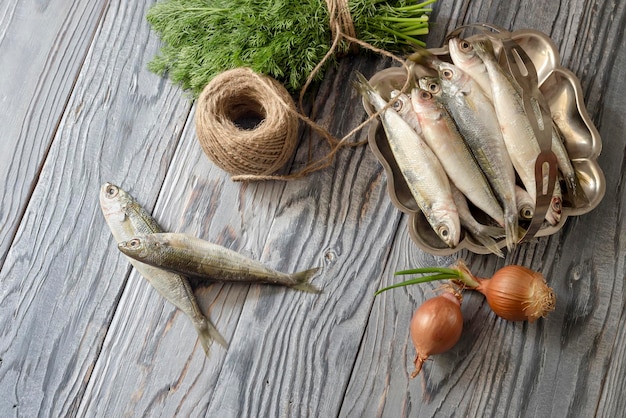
(292,354)
(554,367)
(42,48)
(61,281)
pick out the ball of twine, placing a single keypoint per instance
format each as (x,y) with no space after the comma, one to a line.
(241,94)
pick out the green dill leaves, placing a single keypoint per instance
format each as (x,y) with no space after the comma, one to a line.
(280,38)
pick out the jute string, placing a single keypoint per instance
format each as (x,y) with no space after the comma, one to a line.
(255,154)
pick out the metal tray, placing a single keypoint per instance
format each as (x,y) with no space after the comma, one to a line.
(563,94)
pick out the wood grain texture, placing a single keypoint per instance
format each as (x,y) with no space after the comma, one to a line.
(61,281)
(82,334)
(554,367)
(42,48)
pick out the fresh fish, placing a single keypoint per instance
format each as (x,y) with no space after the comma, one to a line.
(421,169)
(484,234)
(464,56)
(442,136)
(517,130)
(405,109)
(478,124)
(192,256)
(126,219)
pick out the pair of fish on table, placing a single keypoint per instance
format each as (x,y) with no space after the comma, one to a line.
(164,259)
(462,136)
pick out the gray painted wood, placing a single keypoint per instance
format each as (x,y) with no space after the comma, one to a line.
(82,334)
(42,48)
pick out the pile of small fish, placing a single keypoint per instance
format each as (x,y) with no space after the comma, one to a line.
(462,138)
(165,259)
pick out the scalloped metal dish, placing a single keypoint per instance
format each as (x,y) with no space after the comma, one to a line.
(563,93)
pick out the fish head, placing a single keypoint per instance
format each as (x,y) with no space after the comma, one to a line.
(136,248)
(450,73)
(446,223)
(403,103)
(423,100)
(463,53)
(114,201)
(553,215)
(431,85)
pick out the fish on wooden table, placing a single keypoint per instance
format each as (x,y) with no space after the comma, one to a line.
(192,256)
(127,219)
(424,175)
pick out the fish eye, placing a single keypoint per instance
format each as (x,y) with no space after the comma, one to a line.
(397,105)
(134,243)
(526,213)
(465,46)
(447,74)
(111,191)
(443,231)
(433,88)
(424,95)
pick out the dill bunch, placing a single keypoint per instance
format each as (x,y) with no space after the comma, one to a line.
(284,39)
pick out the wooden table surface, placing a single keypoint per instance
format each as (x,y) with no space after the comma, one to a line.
(81,333)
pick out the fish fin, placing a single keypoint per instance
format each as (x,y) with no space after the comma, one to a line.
(302,279)
(486,238)
(207,333)
(361,84)
(511,229)
(423,56)
(575,192)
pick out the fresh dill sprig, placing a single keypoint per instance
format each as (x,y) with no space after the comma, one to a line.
(280,38)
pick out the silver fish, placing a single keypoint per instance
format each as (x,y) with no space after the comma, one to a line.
(126,219)
(421,169)
(442,136)
(477,122)
(517,130)
(192,256)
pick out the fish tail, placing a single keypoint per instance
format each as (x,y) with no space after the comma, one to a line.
(511,229)
(575,191)
(302,280)
(487,236)
(207,334)
(361,84)
(423,56)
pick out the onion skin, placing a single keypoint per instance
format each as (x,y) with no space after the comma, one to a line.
(436,327)
(516,293)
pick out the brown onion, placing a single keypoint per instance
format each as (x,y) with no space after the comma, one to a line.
(517,293)
(436,327)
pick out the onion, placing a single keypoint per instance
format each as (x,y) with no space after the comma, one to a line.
(436,327)
(516,293)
